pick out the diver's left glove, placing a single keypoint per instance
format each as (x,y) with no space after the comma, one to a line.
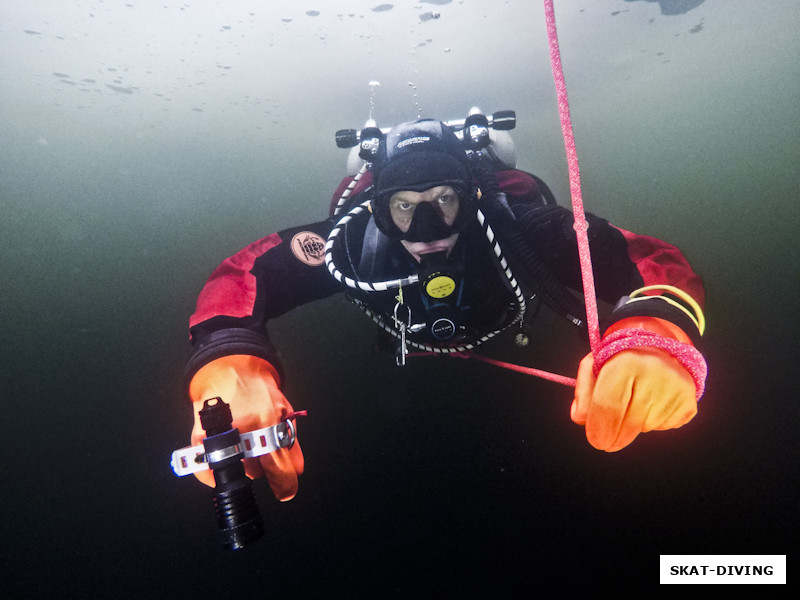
(641,387)
(249,384)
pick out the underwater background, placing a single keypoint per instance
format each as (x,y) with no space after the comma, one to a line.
(143,142)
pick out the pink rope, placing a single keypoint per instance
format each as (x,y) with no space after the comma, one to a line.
(580,226)
(528,370)
(627,339)
(510,366)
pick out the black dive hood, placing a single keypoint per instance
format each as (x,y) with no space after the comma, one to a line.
(418,156)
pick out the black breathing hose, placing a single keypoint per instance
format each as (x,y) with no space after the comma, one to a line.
(541,278)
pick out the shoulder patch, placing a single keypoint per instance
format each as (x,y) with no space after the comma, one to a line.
(308,248)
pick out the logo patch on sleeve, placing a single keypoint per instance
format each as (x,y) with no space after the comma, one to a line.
(309,248)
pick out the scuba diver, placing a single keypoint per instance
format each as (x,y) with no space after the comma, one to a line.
(443,243)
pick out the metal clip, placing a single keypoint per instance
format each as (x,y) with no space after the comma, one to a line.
(193,459)
(402,327)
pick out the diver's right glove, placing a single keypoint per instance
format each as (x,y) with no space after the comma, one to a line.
(647,375)
(249,384)
(637,390)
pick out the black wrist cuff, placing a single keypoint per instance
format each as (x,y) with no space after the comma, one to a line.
(655,307)
(227,342)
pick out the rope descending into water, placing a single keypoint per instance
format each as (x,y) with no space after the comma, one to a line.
(625,339)
(580,226)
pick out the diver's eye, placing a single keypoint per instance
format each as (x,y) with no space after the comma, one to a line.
(444,200)
(404,205)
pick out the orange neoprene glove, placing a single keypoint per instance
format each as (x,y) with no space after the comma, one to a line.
(636,390)
(249,385)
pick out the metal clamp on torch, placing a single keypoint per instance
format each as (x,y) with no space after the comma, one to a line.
(238,516)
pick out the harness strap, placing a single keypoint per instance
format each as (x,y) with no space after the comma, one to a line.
(373,249)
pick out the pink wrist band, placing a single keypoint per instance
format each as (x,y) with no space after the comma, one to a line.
(628,339)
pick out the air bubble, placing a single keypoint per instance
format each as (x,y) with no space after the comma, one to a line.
(373,87)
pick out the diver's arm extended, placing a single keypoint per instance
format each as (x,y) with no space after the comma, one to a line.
(646,374)
(232,356)
(649,374)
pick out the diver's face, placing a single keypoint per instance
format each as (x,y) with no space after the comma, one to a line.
(443,199)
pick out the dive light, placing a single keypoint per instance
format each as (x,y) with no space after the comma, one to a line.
(238,516)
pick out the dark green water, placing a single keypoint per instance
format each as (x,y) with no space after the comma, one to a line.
(142,144)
